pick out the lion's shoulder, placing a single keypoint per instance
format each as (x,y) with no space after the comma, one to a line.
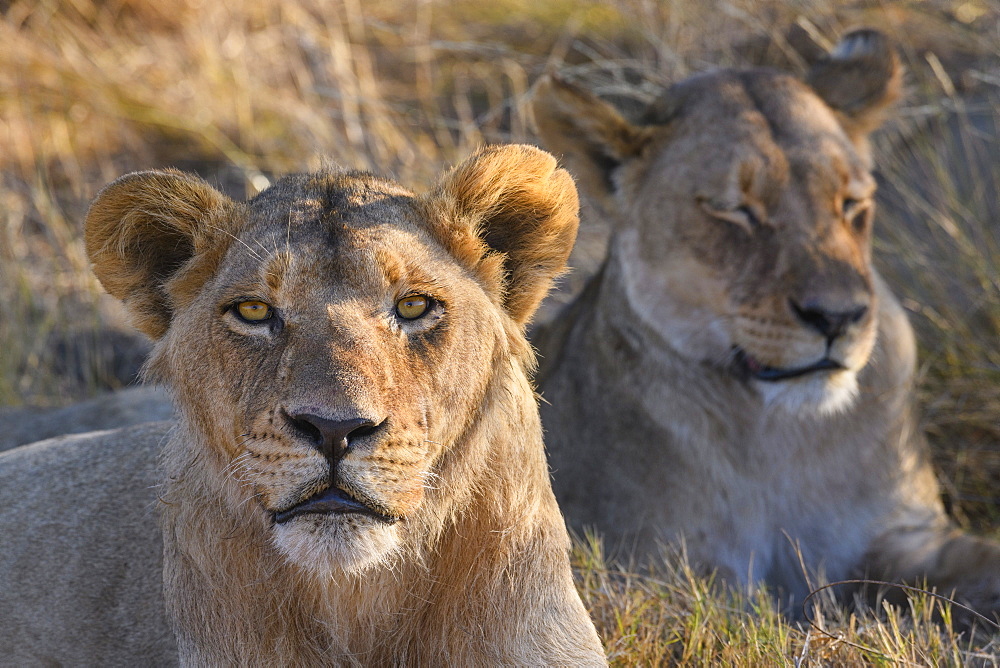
(87,479)
(130,406)
(92,506)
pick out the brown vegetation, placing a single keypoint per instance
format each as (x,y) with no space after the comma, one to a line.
(89,90)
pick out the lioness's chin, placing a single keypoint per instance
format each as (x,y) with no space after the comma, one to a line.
(327,544)
(821,393)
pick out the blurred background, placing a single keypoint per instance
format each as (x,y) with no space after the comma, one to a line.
(241,91)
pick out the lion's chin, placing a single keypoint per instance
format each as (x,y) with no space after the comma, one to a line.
(331,544)
(824,393)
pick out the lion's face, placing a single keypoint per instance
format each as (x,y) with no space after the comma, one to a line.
(744,210)
(335,343)
(339,343)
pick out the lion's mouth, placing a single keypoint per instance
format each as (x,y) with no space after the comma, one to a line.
(332,500)
(754,368)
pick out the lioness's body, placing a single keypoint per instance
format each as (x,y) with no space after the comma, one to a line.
(81,562)
(133,405)
(356,474)
(737,378)
(686,452)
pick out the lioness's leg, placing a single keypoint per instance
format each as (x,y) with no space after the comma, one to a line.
(950,561)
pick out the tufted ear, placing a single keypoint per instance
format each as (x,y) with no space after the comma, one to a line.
(860,79)
(146,231)
(587,132)
(512,215)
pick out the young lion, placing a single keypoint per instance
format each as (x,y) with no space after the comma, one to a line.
(356,475)
(737,376)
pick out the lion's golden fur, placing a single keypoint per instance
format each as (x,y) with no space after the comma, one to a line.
(737,377)
(345,485)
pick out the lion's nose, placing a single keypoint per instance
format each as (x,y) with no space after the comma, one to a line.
(331,437)
(827,321)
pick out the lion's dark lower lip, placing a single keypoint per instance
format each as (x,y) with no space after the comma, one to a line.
(332,501)
(770,374)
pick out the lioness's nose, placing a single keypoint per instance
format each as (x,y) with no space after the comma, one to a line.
(829,322)
(331,437)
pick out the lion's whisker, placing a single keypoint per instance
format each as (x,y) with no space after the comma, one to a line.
(236,238)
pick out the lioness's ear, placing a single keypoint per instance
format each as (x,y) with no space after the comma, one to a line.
(588,133)
(860,79)
(513,216)
(142,229)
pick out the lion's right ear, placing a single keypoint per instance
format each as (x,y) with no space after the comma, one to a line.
(143,229)
(589,134)
(512,216)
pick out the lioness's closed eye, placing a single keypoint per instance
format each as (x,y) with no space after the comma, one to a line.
(737,376)
(356,473)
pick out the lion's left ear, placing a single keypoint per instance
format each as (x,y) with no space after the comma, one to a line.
(860,79)
(511,215)
(146,231)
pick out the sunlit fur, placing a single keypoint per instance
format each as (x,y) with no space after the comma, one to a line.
(469,564)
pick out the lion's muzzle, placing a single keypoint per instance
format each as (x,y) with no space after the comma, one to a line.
(333,438)
(332,500)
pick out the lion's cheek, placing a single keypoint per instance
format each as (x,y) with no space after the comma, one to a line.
(219,393)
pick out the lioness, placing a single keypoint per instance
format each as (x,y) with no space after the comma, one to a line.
(737,376)
(132,405)
(356,475)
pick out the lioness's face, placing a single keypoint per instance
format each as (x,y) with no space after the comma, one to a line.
(749,222)
(335,350)
(743,207)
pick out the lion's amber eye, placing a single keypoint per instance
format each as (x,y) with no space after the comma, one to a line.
(254,311)
(412,307)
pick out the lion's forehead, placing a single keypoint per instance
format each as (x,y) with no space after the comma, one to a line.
(728,101)
(327,202)
(344,230)
(333,187)
(377,262)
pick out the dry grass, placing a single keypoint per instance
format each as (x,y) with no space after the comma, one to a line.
(90,89)
(675,617)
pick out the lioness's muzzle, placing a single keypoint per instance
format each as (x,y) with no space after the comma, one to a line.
(755,369)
